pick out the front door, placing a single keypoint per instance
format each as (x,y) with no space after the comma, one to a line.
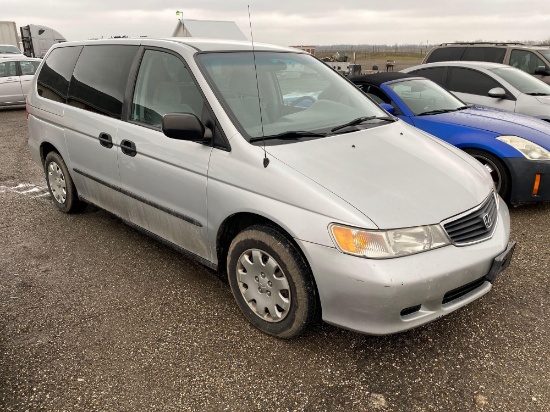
(165,180)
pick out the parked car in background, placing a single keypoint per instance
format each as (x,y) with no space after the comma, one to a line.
(8,51)
(514,148)
(335,209)
(16,75)
(534,60)
(490,84)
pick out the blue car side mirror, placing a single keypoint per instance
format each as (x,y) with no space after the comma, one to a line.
(388,107)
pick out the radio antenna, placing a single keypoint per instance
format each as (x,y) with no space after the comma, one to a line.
(266,160)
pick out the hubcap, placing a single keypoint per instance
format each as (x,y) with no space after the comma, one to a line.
(56,180)
(263,285)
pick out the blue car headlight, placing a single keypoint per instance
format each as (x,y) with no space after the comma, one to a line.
(530,150)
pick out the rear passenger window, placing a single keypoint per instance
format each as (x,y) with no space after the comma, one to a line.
(445,54)
(485,54)
(55,75)
(435,74)
(8,69)
(164,85)
(471,81)
(99,79)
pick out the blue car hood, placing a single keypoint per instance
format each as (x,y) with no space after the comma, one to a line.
(496,122)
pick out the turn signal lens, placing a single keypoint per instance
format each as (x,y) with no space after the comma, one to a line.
(536,185)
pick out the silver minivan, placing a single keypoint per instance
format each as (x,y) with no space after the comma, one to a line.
(264,163)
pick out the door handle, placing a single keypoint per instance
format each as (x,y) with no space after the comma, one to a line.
(105,140)
(128,148)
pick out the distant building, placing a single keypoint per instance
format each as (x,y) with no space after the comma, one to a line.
(209,29)
(307,49)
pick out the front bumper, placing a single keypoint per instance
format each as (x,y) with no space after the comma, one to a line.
(387,296)
(523,172)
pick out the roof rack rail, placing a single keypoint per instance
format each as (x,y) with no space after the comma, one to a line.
(484,42)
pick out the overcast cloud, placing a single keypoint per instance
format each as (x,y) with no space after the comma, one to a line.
(315,22)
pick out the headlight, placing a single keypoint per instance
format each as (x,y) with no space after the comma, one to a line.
(384,244)
(530,150)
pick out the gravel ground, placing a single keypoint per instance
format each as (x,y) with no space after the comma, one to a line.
(96,316)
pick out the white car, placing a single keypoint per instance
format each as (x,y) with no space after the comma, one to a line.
(490,84)
(16,75)
(9,51)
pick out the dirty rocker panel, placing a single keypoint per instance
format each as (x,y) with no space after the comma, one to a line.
(141,199)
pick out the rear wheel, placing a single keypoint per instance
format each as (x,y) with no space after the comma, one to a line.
(60,184)
(271,282)
(496,169)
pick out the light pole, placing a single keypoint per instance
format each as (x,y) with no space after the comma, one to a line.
(180,13)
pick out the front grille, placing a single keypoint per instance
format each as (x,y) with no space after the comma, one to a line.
(474,226)
(462,290)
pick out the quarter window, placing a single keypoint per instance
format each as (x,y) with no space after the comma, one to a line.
(55,75)
(435,74)
(99,79)
(471,81)
(445,54)
(164,85)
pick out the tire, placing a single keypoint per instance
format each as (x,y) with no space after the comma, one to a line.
(60,184)
(271,282)
(496,168)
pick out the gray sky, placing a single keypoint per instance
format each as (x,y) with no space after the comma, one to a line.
(283,22)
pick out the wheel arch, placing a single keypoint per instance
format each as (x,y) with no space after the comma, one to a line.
(45,148)
(236,223)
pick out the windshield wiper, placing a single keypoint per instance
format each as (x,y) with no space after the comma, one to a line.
(538,94)
(360,120)
(468,106)
(438,111)
(289,135)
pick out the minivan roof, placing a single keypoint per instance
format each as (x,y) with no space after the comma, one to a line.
(466,63)
(198,44)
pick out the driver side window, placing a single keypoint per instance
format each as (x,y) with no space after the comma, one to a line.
(164,85)
(525,60)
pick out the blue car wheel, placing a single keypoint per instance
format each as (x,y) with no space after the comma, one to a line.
(496,169)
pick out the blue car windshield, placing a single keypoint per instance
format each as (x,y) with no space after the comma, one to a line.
(423,96)
(522,81)
(281,93)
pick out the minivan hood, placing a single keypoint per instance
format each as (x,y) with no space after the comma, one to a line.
(496,121)
(394,174)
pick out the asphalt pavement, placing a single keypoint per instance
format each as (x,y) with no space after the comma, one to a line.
(96,316)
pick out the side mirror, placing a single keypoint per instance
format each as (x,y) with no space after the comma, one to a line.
(542,70)
(497,93)
(184,126)
(388,107)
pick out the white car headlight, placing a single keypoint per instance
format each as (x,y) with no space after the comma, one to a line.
(530,150)
(384,244)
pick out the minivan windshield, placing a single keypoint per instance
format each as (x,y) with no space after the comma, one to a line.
(522,81)
(9,50)
(425,97)
(299,96)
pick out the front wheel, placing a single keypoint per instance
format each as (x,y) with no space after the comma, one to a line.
(271,282)
(496,169)
(61,185)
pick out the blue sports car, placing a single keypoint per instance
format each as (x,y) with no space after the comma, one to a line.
(514,148)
